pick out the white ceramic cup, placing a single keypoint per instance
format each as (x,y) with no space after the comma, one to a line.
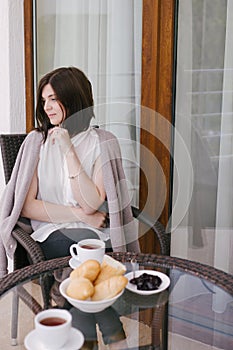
(53,327)
(88,249)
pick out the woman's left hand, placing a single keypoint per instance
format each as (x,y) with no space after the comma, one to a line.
(96,220)
(61,136)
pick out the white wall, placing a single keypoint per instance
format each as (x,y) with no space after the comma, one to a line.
(12,73)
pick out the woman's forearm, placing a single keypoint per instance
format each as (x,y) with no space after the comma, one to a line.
(84,189)
(50,212)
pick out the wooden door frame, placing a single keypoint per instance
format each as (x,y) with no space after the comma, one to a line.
(158,39)
(157,95)
(29,64)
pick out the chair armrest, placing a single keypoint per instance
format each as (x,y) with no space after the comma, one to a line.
(34,255)
(157,227)
(33,249)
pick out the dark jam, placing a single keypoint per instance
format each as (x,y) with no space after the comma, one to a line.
(146,282)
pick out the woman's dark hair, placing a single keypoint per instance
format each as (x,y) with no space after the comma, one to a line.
(74,92)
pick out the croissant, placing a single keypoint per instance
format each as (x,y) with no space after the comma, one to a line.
(88,269)
(109,288)
(80,288)
(109,267)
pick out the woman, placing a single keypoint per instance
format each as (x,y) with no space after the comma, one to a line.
(67,186)
(76,170)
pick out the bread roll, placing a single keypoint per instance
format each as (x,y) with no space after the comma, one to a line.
(109,267)
(109,288)
(88,269)
(80,288)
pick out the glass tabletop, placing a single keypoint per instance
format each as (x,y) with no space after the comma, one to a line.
(191,312)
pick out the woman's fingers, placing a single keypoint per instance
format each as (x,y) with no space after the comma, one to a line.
(61,136)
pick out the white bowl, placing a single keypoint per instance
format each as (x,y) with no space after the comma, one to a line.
(87,305)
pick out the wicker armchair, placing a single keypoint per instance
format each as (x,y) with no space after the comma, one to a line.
(28,251)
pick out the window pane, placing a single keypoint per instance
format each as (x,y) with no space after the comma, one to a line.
(102,38)
(204,98)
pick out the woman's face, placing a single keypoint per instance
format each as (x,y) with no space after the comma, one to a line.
(52,107)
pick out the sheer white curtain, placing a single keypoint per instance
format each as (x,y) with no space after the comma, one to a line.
(179,220)
(204,104)
(223,257)
(102,38)
(224,213)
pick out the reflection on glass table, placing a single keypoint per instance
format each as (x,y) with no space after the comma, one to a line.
(195,311)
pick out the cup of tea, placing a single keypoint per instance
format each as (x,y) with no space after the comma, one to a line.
(88,249)
(53,327)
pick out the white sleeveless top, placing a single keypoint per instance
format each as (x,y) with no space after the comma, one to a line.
(54,183)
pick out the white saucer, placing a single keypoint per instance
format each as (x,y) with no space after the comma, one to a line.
(75,342)
(133,288)
(74,263)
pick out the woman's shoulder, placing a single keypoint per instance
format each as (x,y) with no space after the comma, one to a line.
(34,135)
(109,141)
(105,134)
(32,141)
